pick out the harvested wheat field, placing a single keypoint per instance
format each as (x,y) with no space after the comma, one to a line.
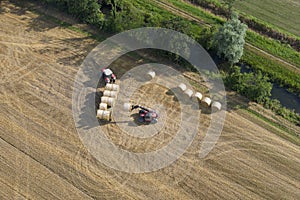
(42,156)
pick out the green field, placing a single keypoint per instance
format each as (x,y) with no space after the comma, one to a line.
(284,14)
(269,45)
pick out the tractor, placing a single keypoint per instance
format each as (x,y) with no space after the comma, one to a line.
(108,76)
(146,115)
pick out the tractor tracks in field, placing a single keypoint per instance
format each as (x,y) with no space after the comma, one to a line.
(189,16)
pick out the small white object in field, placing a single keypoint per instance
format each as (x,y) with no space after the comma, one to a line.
(103,106)
(109,100)
(189,92)
(110,93)
(198,95)
(104,99)
(216,106)
(151,74)
(112,87)
(127,106)
(206,101)
(182,86)
(103,114)
(99,113)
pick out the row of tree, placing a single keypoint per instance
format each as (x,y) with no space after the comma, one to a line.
(87,11)
(120,15)
(123,15)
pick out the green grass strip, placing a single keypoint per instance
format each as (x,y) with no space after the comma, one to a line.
(269,45)
(274,47)
(201,13)
(276,71)
(290,136)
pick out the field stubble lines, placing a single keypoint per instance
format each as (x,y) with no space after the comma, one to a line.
(18,178)
(55,158)
(21,44)
(260,158)
(7,191)
(30,109)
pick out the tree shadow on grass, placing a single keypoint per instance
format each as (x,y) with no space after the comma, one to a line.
(42,23)
(19,8)
(236,101)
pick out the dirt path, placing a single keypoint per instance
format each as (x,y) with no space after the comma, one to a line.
(42,156)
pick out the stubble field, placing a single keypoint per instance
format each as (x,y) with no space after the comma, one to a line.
(42,156)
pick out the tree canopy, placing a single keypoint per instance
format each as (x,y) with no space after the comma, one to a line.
(230,39)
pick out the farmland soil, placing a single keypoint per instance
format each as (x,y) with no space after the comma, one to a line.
(42,156)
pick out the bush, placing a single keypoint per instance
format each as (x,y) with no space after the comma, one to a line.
(256,87)
(206,37)
(87,11)
(124,16)
(276,107)
(277,72)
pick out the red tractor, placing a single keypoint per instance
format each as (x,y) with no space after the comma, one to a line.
(108,76)
(145,114)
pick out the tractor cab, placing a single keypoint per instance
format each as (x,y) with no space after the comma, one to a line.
(107,72)
(150,116)
(108,75)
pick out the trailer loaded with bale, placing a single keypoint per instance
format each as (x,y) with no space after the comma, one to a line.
(107,102)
